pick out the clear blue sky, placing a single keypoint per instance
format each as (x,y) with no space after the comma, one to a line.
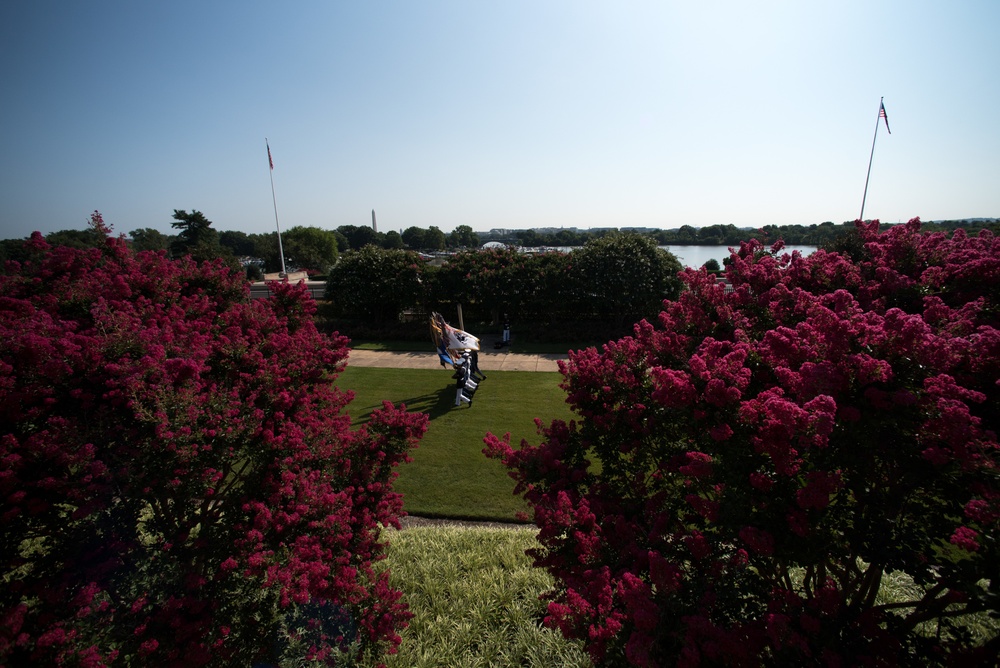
(510,114)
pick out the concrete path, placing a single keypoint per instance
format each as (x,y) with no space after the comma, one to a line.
(488,360)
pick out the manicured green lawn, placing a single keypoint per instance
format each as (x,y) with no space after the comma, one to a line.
(449,475)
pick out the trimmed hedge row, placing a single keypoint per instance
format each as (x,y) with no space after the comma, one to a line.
(604,286)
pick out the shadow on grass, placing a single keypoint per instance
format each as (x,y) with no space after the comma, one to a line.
(435,404)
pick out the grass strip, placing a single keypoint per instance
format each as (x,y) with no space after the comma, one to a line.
(474,597)
(449,475)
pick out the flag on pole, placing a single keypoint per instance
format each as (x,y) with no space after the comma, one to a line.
(881,114)
(449,341)
(271,162)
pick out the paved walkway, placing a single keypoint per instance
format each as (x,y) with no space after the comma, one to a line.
(488,360)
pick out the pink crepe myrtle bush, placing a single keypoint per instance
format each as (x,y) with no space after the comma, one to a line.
(745,472)
(178,475)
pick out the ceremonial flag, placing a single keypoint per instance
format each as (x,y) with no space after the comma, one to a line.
(449,341)
(881,114)
(459,340)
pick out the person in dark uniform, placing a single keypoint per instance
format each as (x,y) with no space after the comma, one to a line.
(464,386)
(474,366)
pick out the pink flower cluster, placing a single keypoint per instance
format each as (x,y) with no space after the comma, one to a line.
(745,470)
(177,470)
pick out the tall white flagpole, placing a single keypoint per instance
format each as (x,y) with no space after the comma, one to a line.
(270,164)
(881,115)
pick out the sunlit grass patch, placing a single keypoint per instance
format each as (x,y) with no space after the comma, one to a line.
(898,587)
(474,596)
(900,594)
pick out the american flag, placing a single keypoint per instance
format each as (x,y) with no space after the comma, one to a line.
(271,162)
(881,114)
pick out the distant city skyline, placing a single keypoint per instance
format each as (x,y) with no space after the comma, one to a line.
(514,115)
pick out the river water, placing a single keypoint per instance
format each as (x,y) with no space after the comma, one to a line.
(696,256)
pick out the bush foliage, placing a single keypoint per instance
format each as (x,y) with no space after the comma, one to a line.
(616,279)
(375,284)
(179,481)
(746,471)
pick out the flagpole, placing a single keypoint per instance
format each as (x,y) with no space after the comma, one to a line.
(865,196)
(270,171)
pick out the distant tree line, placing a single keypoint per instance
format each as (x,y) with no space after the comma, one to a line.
(715,235)
(317,250)
(308,248)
